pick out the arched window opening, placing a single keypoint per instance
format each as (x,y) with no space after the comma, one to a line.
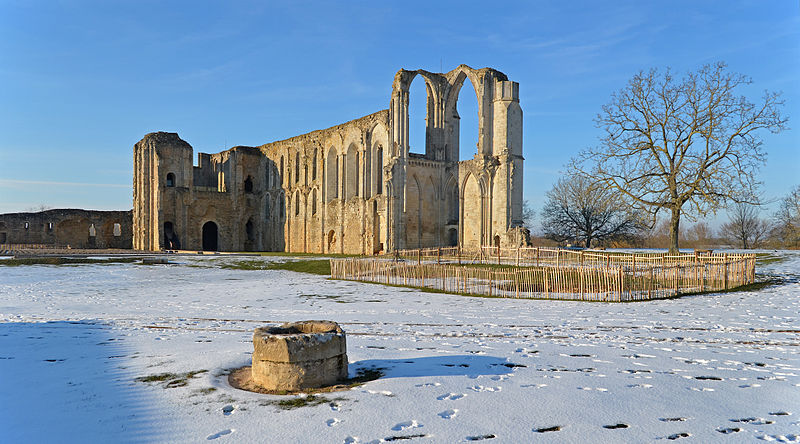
(357,175)
(467,110)
(379,170)
(267,178)
(282,206)
(297,204)
(417,115)
(297,167)
(248,185)
(281,172)
(305,174)
(170,179)
(332,176)
(350,178)
(92,230)
(314,166)
(50,226)
(221,182)
(27,225)
(117,229)
(267,213)
(314,201)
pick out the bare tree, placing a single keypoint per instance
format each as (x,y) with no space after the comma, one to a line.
(671,143)
(787,219)
(577,210)
(745,227)
(528,214)
(38,208)
(700,234)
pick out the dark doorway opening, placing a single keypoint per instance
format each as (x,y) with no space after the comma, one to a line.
(171,241)
(452,237)
(210,236)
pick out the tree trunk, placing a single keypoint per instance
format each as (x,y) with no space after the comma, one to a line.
(674,230)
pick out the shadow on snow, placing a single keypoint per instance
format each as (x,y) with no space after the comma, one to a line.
(66,381)
(452,365)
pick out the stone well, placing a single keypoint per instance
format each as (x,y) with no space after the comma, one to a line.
(299,355)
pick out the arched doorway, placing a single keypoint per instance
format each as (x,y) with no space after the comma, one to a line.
(452,237)
(331,241)
(171,241)
(210,236)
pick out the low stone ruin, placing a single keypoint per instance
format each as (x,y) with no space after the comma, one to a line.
(299,355)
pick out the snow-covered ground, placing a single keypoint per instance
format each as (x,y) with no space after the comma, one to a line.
(73,340)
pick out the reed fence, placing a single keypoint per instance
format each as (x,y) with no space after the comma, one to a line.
(539,273)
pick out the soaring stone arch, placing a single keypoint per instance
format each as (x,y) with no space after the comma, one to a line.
(456,79)
(434,84)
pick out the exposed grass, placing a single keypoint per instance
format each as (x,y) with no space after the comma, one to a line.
(366,374)
(313,266)
(304,401)
(65,261)
(769,258)
(171,380)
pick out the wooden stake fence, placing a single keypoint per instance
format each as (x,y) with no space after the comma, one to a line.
(614,278)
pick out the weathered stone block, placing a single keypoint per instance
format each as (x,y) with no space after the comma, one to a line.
(299,355)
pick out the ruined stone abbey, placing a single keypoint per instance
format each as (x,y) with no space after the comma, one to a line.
(353,188)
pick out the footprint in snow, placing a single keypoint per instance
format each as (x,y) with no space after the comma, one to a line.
(616,426)
(727,431)
(533,385)
(379,392)
(640,386)
(406,425)
(228,409)
(480,388)
(429,384)
(754,420)
(480,437)
(749,385)
(220,434)
(793,438)
(332,422)
(780,413)
(447,414)
(351,440)
(674,419)
(547,429)
(675,436)
(451,396)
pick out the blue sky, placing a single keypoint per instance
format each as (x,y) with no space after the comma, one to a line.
(81,82)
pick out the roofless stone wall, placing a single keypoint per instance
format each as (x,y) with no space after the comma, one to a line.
(352,188)
(68,227)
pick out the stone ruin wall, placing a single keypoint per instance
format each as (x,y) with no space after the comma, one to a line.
(354,188)
(68,227)
(281,196)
